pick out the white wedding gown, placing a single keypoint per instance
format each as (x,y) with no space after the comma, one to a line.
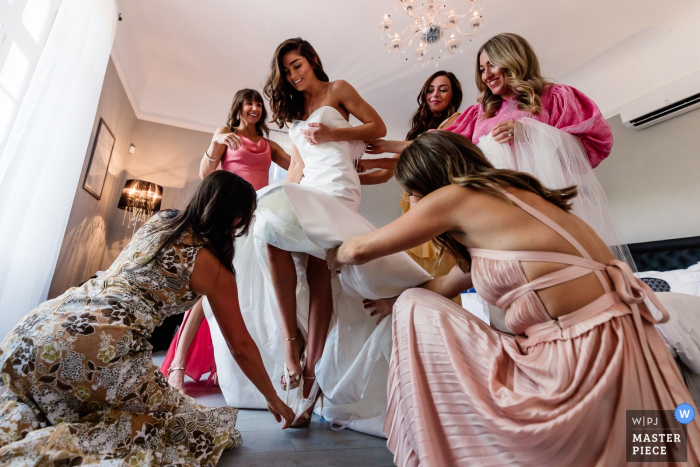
(309,218)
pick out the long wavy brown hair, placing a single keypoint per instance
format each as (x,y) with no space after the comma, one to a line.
(286,103)
(221,209)
(442,158)
(424,119)
(516,56)
(234,115)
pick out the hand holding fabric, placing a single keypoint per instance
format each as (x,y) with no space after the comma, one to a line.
(504,131)
(318,133)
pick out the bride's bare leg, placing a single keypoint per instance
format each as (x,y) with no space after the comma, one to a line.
(284,279)
(176,378)
(320,312)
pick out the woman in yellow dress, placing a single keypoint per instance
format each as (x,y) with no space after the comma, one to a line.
(438,102)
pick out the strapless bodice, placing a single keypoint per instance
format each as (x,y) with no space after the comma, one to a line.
(329,167)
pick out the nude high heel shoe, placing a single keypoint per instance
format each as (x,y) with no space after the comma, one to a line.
(289,379)
(303,419)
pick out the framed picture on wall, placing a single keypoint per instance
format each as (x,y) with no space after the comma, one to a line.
(99,160)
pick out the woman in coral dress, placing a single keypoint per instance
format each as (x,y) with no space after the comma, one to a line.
(585,350)
(241,147)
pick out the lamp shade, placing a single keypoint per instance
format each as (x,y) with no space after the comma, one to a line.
(141,196)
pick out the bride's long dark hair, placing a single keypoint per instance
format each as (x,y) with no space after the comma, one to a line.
(220,210)
(286,103)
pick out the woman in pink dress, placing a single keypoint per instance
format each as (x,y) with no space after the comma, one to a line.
(585,350)
(239,147)
(524,122)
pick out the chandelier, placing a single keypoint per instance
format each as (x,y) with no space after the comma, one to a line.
(435,28)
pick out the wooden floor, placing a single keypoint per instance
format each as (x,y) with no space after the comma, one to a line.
(265,444)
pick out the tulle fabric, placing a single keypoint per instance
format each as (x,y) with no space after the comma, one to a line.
(563,107)
(559,160)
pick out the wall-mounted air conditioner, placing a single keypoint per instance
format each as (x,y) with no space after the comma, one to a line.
(671,100)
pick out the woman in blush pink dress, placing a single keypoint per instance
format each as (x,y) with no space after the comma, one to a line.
(585,350)
(523,122)
(239,147)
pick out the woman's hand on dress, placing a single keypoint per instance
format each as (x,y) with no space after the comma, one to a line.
(364,165)
(376,147)
(332,260)
(281,411)
(384,307)
(504,132)
(319,133)
(232,140)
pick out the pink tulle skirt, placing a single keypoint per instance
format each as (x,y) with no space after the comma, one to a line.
(200,356)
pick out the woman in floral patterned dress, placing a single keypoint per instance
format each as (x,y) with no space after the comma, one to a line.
(78,381)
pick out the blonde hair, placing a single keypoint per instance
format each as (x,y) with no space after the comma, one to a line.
(442,158)
(517,58)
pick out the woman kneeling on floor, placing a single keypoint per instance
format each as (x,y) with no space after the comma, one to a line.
(585,349)
(78,381)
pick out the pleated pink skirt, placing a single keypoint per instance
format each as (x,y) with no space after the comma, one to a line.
(461,393)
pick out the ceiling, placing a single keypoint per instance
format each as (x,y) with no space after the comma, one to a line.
(181,61)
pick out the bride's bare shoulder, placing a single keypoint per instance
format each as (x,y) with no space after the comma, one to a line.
(341,89)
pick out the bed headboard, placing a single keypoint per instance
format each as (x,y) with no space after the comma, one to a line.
(666,255)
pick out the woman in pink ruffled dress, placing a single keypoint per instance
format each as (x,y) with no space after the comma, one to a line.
(524,122)
(585,349)
(239,147)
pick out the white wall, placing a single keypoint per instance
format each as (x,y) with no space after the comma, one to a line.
(167,156)
(97,230)
(85,240)
(652,179)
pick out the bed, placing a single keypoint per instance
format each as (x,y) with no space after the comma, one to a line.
(672,265)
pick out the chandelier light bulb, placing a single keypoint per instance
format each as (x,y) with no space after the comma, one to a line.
(387,24)
(431,19)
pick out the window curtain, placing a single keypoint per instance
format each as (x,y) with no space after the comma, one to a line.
(41,163)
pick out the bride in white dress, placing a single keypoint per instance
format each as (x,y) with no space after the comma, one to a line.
(287,294)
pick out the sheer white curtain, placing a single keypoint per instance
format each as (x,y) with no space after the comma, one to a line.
(41,163)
